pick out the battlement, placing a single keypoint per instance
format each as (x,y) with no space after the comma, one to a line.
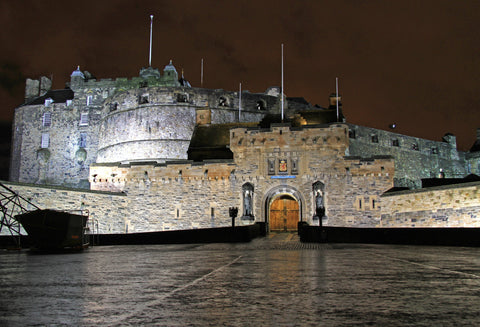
(278,136)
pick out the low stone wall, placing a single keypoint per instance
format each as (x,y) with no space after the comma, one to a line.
(109,211)
(445,206)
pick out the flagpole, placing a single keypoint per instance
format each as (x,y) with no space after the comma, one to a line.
(336,91)
(201,74)
(282,85)
(239,101)
(151,28)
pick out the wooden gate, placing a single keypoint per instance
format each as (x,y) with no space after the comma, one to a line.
(284,214)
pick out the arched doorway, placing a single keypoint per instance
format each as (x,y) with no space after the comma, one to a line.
(284,214)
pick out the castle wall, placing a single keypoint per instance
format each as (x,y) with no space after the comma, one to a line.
(445,206)
(198,195)
(53,153)
(415,158)
(115,125)
(109,210)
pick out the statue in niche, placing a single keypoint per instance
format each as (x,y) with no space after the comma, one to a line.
(248,203)
(319,206)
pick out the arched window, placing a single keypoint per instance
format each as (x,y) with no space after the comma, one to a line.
(247,193)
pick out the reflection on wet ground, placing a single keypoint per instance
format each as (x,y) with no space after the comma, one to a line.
(274,281)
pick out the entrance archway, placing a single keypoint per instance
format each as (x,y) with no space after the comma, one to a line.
(289,200)
(284,214)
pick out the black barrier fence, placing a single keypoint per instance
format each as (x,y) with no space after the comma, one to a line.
(204,235)
(409,236)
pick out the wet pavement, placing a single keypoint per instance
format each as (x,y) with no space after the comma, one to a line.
(273,281)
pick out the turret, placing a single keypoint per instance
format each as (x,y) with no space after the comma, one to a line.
(35,88)
(170,75)
(77,78)
(333,100)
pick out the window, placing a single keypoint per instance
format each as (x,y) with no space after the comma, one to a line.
(143,99)
(69,103)
(352,134)
(395,142)
(212,212)
(261,105)
(415,147)
(83,140)
(45,140)
(374,138)
(435,150)
(48,102)
(182,97)
(360,204)
(47,119)
(89,100)
(84,119)
(113,106)
(222,102)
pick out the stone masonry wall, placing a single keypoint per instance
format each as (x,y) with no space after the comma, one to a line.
(445,206)
(124,127)
(63,160)
(109,210)
(415,158)
(198,195)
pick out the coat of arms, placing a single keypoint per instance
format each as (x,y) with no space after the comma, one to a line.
(282,166)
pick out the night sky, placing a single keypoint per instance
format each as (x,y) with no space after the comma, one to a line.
(413,63)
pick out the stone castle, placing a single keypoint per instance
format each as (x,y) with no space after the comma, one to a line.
(153,153)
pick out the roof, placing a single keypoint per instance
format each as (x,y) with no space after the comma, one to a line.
(476,146)
(58,96)
(212,141)
(431,182)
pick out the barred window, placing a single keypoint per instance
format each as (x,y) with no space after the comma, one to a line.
(84,119)
(47,119)
(83,140)
(89,100)
(45,140)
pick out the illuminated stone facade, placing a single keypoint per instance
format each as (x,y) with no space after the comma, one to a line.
(152,153)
